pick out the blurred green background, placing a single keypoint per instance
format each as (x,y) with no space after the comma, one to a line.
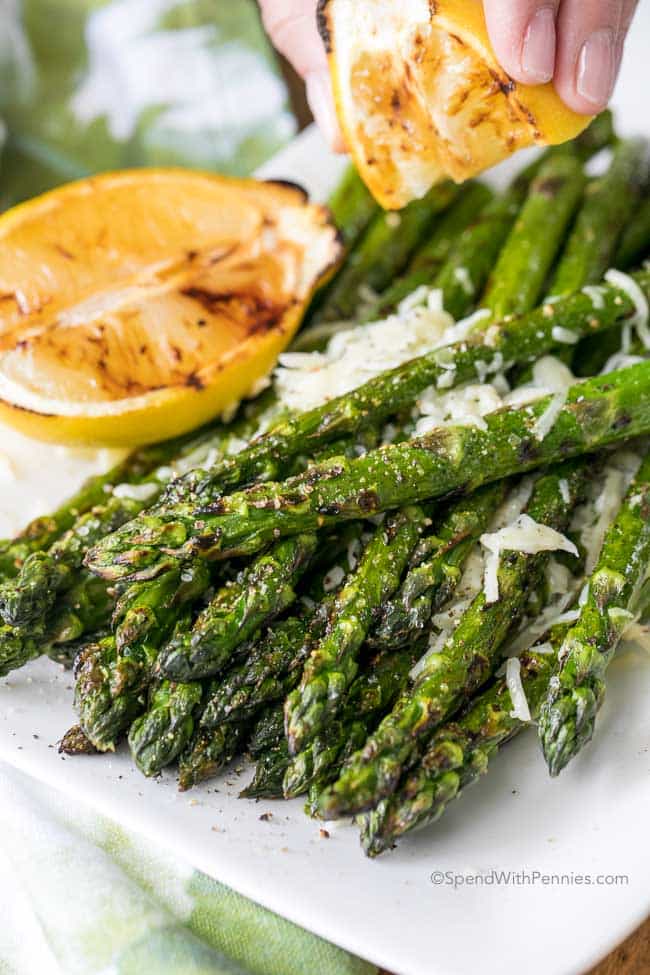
(91,85)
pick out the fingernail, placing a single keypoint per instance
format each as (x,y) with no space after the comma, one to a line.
(538,51)
(321,102)
(597,67)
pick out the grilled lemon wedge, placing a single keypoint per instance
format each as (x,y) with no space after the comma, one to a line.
(421,97)
(136,305)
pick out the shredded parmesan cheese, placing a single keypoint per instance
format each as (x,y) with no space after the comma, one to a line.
(356,354)
(520,708)
(523,535)
(596,294)
(627,284)
(544,648)
(564,335)
(465,406)
(334,578)
(138,492)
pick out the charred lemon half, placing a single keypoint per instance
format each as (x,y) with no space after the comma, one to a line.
(136,305)
(421,97)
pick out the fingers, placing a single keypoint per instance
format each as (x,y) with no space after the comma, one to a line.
(523,34)
(291,25)
(591,34)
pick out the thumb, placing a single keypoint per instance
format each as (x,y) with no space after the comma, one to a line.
(291,25)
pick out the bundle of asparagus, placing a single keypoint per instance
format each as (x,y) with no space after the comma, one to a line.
(314,585)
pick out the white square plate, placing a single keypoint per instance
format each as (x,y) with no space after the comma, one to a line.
(592,821)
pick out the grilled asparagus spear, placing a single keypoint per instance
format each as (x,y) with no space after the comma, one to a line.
(597,412)
(465,662)
(577,689)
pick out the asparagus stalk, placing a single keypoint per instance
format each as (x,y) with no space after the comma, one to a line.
(267,782)
(609,204)
(472,260)
(465,662)
(158,737)
(373,691)
(86,608)
(177,710)
(352,206)
(273,665)
(269,672)
(382,253)
(431,257)
(436,568)
(268,730)
(531,248)
(519,341)
(457,755)
(208,752)
(464,275)
(333,662)
(577,689)
(74,742)
(112,675)
(29,597)
(634,245)
(597,412)
(239,610)
(43,532)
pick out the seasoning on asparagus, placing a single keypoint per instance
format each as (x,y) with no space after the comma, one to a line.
(333,662)
(436,568)
(208,752)
(112,676)
(74,742)
(382,678)
(239,610)
(465,662)
(577,689)
(521,340)
(158,736)
(597,412)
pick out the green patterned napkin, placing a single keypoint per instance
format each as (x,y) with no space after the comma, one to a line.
(79,896)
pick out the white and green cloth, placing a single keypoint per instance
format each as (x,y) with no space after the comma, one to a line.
(80,896)
(85,86)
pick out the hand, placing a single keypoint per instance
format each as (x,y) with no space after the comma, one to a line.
(291,25)
(578,44)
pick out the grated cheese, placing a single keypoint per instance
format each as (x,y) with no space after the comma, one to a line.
(355,549)
(520,708)
(593,519)
(334,578)
(138,492)
(597,295)
(356,354)
(523,535)
(564,335)
(466,406)
(627,284)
